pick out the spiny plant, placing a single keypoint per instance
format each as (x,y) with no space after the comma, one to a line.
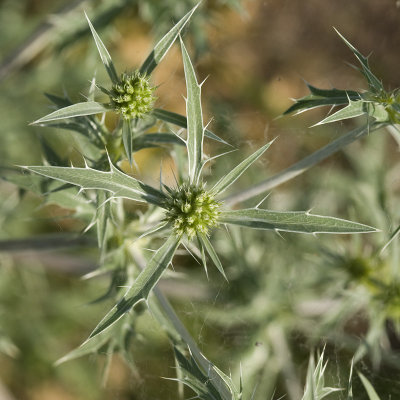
(185,214)
(191,210)
(379,107)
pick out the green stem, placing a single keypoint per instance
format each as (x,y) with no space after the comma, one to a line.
(301,166)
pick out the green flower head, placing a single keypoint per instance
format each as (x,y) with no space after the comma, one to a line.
(191,210)
(132,96)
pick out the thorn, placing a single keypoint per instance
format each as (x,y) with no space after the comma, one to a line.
(262,201)
(202,83)
(109,160)
(279,234)
(92,223)
(208,123)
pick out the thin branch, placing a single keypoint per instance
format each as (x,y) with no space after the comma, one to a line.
(301,166)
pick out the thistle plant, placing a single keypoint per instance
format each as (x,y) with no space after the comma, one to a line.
(185,214)
(191,209)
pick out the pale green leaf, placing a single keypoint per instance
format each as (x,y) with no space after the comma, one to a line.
(373,82)
(162,47)
(180,120)
(206,244)
(104,54)
(195,129)
(368,387)
(127,138)
(75,110)
(291,221)
(357,108)
(352,110)
(228,179)
(114,181)
(142,286)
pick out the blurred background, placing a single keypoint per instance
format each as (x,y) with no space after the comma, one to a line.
(256,56)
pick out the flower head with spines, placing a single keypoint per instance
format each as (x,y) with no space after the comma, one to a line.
(132,96)
(191,210)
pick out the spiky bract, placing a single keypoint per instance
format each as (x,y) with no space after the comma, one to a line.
(191,210)
(132,96)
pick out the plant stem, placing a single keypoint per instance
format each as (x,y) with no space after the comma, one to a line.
(301,166)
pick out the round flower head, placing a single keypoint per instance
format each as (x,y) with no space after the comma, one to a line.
(132,96)
(191,210)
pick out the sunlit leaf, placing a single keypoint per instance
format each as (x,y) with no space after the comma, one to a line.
(104,54)
(195,129)
(75,110)
(228,179)
(114,181)
(291,221)
(162,47)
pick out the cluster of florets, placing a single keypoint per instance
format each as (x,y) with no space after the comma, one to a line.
(132,96)
(191,210)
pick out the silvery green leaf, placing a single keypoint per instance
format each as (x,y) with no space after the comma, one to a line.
(372,395)
(228,179)
(155,140)
(180,120)
(104,54)
(373,82)
(354,109)
(291,221)
(142,285)
(162,47)
(195,129)
(206,244)
(127,138)
(114,181)
(75,110)
(322,97)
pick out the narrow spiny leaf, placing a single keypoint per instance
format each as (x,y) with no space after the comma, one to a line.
(162,47)
(142,286)
(195,129)
(228,179)
(206,244)
(104,54)
(75,110)
(114,181)
(291,221)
